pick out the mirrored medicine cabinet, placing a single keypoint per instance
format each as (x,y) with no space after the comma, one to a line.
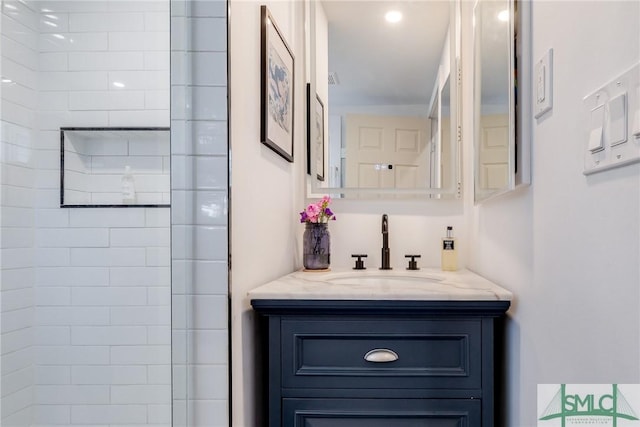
(390,92)
(501,97)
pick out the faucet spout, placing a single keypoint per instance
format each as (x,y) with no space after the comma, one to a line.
(386,252)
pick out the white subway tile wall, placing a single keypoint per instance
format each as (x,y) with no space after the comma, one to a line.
(18,90)
(200,318)
(85,292)
(104,306)
(86,314)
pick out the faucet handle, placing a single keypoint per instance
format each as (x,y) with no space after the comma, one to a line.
(413,264)
(359,262)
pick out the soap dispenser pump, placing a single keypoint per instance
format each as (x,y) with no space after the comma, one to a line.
(449,251)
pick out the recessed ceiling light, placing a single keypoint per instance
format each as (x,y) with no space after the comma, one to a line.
(118,84)
(503,15)
(393,16)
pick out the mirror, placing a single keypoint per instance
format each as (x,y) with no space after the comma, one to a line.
(389,92)
(501,140)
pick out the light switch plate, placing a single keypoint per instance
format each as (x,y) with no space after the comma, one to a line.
(543,85)
(619,99)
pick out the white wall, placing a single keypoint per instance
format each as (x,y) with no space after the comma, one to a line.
(568,246)
(19,65)
(415,227)
(266,190)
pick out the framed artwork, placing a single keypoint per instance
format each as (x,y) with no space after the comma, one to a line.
(277,83)
(317,141)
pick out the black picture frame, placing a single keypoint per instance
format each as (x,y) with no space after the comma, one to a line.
(320,138)
(277,64)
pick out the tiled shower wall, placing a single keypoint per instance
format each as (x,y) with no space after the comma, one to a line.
(18,88)
(199,214)
(85,303)
(102,296)
(103,317)
(85,292)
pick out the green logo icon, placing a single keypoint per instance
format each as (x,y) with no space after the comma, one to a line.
(584,408)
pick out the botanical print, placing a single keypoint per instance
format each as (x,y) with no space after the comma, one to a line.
(279,91)
(277,84)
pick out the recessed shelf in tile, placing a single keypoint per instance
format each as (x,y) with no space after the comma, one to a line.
(115,167)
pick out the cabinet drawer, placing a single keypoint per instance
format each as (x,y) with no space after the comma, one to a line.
(381,413)
(431,354)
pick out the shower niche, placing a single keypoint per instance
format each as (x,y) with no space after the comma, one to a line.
(114,167)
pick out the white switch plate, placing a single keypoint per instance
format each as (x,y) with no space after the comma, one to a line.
(620,99)
(543,85)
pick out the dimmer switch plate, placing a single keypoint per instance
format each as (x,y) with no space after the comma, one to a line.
(543,81)
(610,138)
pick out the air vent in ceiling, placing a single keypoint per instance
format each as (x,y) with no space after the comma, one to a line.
(333,78)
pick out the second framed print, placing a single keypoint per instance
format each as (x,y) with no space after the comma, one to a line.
(315,120)
(277,83)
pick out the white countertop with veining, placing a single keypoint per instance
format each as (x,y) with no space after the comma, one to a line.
(427,284)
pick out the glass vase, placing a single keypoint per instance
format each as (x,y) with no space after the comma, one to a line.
(316,246)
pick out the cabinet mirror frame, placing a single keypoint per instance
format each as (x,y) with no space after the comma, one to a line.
(518,75)
(453,186)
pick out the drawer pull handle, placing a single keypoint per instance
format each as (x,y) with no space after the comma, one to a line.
(381,355)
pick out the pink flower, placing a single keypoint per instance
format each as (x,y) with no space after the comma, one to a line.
(313,212)
(318,212)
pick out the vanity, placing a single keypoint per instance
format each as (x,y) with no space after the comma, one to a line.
(380,348)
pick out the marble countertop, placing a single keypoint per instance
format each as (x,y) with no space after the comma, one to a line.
(427,284)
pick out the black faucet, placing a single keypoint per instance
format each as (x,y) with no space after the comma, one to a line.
(386,253)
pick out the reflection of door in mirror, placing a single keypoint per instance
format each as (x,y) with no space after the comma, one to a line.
(494,151)
(385,151)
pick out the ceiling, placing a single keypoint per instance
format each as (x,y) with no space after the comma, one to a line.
(378,63)
(381,63)
(494,38)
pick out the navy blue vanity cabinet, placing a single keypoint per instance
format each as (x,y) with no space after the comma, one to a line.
(379,363)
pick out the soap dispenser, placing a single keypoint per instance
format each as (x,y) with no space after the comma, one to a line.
(128,187)
(449,251)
